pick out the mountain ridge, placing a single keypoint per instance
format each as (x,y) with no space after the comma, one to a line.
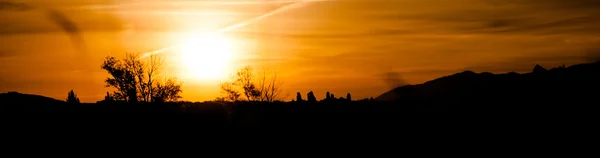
(469,83)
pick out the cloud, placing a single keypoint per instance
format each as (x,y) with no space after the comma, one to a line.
(563,4)
(498,17)
(68,27)
(56,17)
(491,17)
(592,55)
(525,64)
(4,53)
(14,6)
(393,79)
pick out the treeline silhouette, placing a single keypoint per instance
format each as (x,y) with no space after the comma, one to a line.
(549,96)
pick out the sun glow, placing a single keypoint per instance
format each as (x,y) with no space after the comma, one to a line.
(207,56)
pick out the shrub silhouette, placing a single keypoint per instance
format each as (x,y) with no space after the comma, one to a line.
(108,97)
(299,97)
(169,91)
(311,97)
(72,98)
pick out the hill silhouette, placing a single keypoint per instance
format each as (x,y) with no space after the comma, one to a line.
(14,101)
(559,96)
(562,83)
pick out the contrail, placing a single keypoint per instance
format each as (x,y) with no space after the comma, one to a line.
(278,10)
(242,24)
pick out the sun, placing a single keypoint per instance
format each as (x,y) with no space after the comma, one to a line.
(207,56)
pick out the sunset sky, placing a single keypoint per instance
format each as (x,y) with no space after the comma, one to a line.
(340,46)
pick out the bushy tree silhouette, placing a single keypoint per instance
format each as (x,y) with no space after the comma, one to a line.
(123,79)
(108,97)
(299,97)
(169,91)
(229,92)
(134,80)
(349,97)
(311,97)
(244,78)
(72,98)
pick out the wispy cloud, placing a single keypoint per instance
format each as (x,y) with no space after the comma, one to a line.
(14,6)
(69,27)
(55,16)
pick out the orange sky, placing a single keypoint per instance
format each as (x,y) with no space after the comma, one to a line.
(339,46)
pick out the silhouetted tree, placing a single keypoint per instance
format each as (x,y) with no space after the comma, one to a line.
(311,97)
(108,97)
(169,91)
(267,89)
(230,94)
(220,99)
(134,80)
(327,96)
(154,64)
(244,78)
(349,97)
(299,97)
(72,98)
(539,69)
(123,79)
(331,96)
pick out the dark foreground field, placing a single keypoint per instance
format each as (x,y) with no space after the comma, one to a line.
(537,110)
